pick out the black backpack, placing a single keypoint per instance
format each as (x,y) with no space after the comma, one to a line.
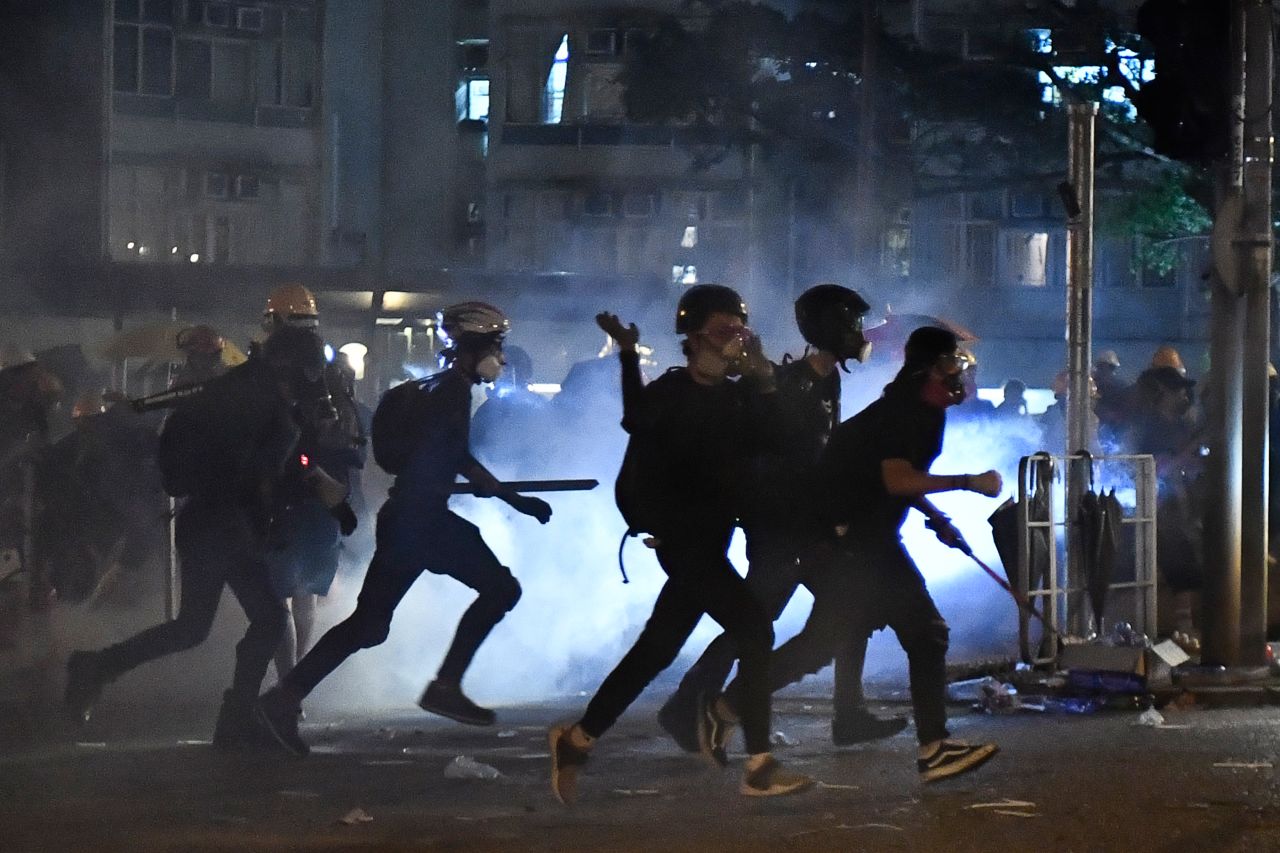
(397,424)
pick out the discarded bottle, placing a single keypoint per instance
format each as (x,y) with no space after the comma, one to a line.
(466,767)
(783,739)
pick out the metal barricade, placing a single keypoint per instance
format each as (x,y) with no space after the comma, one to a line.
(1046,529)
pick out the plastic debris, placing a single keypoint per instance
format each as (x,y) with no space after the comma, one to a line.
(636,792)
(355,816)
(1150,717)
(1012,813)
(1244,765)
(508,733)
(835,787)
(998,697)
(466,767)
(783,739)
(970,690)
(1005,803)
(1067,705)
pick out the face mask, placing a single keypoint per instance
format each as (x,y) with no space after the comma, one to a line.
(489,368)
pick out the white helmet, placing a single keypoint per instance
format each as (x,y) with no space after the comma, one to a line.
(471,318)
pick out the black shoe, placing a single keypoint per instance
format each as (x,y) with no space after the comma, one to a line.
(84,685)
(235,730)
(276,717)
(677,719)
(448,700)
(566,761)
(860,726)
(771,779)
(953,757)
(714,730)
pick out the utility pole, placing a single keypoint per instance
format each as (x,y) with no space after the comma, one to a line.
(1078,198)
(1236,521)
(1081,123)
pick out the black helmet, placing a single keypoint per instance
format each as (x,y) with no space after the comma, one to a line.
(927,344)
(830,318)
(701,301)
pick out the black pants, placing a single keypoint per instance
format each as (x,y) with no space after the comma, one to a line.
(779,560)
(411,540)
(216,545)
(700,579)
(873,585)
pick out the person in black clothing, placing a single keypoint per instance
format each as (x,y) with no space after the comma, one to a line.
(692,434)
(416,532)
(235,443)
(874,471)
(780,520)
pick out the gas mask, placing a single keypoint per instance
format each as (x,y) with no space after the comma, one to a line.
(727,350)
(311,395)
(854,345)
(489,368)
(948,388)
(953,368)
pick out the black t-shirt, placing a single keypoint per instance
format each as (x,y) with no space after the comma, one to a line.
(690,444)
(897,426)
(783,481)
(443,450)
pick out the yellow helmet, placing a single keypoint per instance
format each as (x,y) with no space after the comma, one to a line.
(1167,356)
(291,305)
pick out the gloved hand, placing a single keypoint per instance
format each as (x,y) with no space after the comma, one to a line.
(754,364)
(346,517)
(535,507)
(946,532)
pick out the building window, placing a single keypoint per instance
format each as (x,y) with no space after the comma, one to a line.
(597,204)
(1025,256)
(472,100)
(602,42)
(247,186)
(553,107)
(638,205)
(142,56)
(248,19)
(216,185)
(217,15)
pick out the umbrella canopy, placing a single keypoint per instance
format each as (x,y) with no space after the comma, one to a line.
(1004,532)
(158,342)
(897,327)
(1097,531)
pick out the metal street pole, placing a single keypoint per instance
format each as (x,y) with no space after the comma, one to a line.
(1082,120)
(1222,521)
(1254,246)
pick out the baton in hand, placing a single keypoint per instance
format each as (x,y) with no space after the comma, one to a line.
(521,486)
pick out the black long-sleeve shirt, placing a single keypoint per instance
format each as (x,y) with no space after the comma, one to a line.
(687,461)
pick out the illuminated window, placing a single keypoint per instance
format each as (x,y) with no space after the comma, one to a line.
(554,101)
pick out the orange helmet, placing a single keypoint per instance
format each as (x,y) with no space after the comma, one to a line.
(290,305)
(1167,356)
(201,340)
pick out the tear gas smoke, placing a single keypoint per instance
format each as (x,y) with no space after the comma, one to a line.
(576,619)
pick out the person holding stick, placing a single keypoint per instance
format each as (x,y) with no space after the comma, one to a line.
(875,470)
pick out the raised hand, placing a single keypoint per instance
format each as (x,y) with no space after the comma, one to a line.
(626,336)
